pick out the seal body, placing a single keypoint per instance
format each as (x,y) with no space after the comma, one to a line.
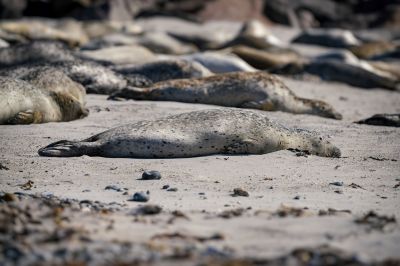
(255,90)
(336,38)
(95,77)
(199,133)
(165,70)
(52,79)
(24,103)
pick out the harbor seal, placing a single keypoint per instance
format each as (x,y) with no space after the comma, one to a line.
(219,62)
(263,59)
(199,133)
(36,51)
(95,77)
(254,34)
(24,103)
(52,79)
(255,90)
(165,70)
(335,38)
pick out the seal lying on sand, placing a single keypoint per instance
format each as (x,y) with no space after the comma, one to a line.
(219,62)
(24,103)
(199,133)
(254,34)
(37,51)
(263,59)
(389,120)
(165,70)
(255,90)
(336,38)
(52,79)
(95,77)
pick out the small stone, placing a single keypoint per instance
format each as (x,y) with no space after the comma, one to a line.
(165,187)
(113,187)
(173,189)
(148,210)
(125,193)
(47,194)
(8,197)
(296,197)
(86,190)
(337,183)
(339,191)
(151,175)
(140,197)
(202,193)
(240,192)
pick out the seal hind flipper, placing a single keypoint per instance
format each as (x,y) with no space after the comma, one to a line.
(26,117)
(66,148)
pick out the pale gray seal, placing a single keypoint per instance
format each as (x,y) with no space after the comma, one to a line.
(199,133)
(255,90)
(254,34)
(23,103)
(218,62)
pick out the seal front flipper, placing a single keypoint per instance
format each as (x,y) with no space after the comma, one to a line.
(66,148)
(26,117)
(244,146)
(266,105)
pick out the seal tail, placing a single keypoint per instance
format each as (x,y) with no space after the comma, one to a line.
(66,148)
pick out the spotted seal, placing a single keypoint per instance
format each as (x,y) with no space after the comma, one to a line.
(22,102)
(255,90)
(36,51)
(95,77)
(336,38)
(165,69)
(198,133)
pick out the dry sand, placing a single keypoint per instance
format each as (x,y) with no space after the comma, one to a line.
(370,159)
(286,192)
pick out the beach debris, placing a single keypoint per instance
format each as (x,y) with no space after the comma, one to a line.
(240,192)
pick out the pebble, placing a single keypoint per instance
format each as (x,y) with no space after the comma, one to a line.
(140,197)
(337,183)
(240,192)
(113,187)
(173,189)
(297,197)
(151,175)
(149,210)
(8,197)
(165,187)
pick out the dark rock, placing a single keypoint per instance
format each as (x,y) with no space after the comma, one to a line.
(151,175)
(337,183)
(113,187)
(239,192)
(165,187)
(172,189)
(148,210)
(389,120)
(140,197)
